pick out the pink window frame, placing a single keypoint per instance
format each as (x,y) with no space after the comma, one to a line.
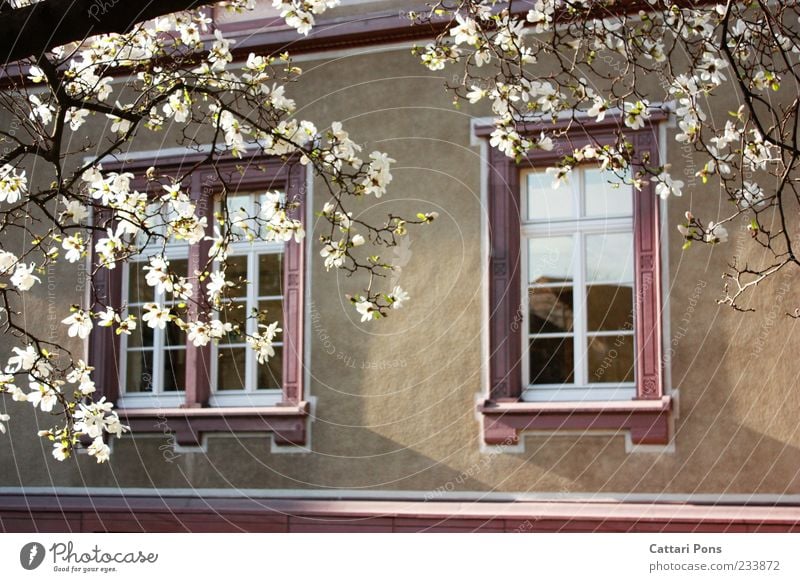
(286,420)
(647,416)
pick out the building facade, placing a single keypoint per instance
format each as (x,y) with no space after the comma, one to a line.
(562,364)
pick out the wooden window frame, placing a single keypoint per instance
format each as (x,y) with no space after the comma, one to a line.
(504,413)
(286,420)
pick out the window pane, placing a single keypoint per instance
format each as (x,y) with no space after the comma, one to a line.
(604,197)
(550,309)
(609,307)
(270,374)
(237,274)
(179,267)
(274,312)
(550,259)
(545,203)
(139,372)
(174,370)
(138,290)
(609,257)
(231,371)
(235,313)
(611,359)
(240,202)
(552,360)
(173,335)
(142,336)
(270,274)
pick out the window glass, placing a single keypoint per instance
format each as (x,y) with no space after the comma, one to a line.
(545,202)
(605,195)
(551,259)
(580,293)
(609,257)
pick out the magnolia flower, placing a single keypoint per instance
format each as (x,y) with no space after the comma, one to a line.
(76,211)
(475,94)
(7,260)
(636,114)
(466,31)
(560,175)
(357,240)
(36,74)
(81,375)
(751,196)
(199,333)
(118,124)
(23,277)
(24,359)
(39,110)
(598,109)
(43,396)
(76,117)
(261,342)
(3,418)
(398,297)
(216,285)
(13,184)
(378,175)
(99,450)
(80,324)
(127,325)
(89,419)
(157,274)
(334,254)
(716,233)
(155,316)
(107,317)
(665,185)
(74,247)
(61,450)
(367,310)
(114,426)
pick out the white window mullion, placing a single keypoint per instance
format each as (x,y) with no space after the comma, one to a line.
(525,306)
(158,351)
(579,299)
(252,324)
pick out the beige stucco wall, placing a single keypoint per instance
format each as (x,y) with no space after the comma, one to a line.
(394,401)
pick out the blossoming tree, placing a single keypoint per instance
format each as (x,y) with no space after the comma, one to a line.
(162,75)
(582,60)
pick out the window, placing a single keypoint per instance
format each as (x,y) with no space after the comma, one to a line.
(577,253)
(574,295)
(153,371)
(156,376)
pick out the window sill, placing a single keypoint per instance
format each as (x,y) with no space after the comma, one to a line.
(646,420)
(287,423)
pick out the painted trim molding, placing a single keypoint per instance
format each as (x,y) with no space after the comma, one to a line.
(56,513)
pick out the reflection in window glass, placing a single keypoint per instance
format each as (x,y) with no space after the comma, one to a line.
(611,359)
(550,309)
(551,259)
(552,360)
